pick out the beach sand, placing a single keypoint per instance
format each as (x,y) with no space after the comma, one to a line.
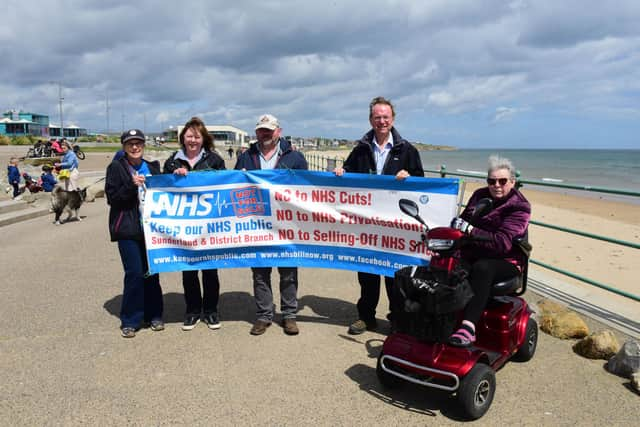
(607,263)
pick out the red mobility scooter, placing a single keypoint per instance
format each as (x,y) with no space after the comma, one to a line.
(433,299)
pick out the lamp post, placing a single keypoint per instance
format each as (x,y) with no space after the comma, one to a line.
(107,111)
(60,99)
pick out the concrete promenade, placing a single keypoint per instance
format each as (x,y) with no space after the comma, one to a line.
(63,362)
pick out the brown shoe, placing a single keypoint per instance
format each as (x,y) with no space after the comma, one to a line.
(259,327)
(360,326)
(290,327)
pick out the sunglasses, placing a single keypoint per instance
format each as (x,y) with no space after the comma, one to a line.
(501,181)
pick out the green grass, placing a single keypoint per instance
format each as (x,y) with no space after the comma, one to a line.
(112,148)
(108,148)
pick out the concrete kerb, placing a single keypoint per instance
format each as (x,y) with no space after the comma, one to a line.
(33,205)
(615,311)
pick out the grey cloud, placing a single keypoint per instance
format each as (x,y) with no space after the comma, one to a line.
(317,66)
(562,24)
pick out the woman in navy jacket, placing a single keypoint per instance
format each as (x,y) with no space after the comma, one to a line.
(197,154)
(124,187)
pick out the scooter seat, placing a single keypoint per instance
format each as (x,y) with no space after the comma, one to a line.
(508,286)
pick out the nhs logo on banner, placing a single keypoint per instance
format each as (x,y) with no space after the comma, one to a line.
(185,204)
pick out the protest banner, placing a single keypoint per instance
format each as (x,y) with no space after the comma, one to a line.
(270,218)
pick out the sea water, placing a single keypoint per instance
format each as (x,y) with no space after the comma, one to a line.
(615,169)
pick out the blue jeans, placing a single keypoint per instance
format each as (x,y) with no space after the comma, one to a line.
(142,295)
(264,295)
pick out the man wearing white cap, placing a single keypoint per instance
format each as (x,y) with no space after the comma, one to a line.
(273,152)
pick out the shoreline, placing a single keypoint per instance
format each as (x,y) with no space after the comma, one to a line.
(542,188)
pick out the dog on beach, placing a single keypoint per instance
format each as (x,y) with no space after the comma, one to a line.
(69,201)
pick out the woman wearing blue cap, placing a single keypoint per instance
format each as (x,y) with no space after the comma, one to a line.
(124,186)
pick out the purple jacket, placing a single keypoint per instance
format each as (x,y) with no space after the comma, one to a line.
(508,219)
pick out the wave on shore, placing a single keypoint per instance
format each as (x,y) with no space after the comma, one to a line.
(470,172)
(552,180)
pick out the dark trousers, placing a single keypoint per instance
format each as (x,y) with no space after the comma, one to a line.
(16,189)
(142,295)
(205,302)
(484,273)
(370,295)
(264,295)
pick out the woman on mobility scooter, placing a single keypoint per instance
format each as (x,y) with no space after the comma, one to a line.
(493,257)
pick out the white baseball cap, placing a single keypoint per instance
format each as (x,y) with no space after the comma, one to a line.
(267,121)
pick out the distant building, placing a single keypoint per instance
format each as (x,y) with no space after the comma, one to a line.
(21,123)
(71,131)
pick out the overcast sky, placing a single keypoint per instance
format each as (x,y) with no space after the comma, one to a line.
(477,73)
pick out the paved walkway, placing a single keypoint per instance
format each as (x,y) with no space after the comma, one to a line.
(63,362)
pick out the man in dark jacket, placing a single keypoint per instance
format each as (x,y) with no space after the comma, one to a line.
(381,151)
(273,152)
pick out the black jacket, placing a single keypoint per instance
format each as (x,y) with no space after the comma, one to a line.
(122,197)
(210,161)
(289,159)
(403,155)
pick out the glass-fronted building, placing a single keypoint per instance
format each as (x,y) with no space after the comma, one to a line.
(21,123)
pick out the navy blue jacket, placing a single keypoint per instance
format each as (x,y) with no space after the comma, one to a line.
(122,197)
(209,161)
(48,182)
(403,155)
(289,158)
(13,174)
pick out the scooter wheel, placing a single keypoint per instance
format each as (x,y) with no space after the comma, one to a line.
(528,347)
(386,379)
(476,391)
(80,155)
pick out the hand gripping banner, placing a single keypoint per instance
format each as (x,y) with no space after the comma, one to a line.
(289,218)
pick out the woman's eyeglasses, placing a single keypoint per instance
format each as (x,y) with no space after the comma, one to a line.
(135,143)
(501,181)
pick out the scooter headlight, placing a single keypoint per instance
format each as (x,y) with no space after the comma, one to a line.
(440,244)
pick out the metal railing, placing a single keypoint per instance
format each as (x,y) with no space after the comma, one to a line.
(318,162)
(325,163)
